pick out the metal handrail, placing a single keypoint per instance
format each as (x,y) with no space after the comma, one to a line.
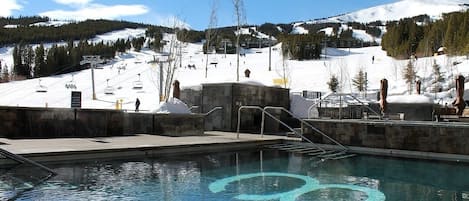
(316,104)
(276,119)
(306,123)
(363,104)
(21,159)
(342,94)
(213,110)
(239,118)
(193,107)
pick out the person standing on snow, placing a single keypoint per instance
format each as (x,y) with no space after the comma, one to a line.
(137,105)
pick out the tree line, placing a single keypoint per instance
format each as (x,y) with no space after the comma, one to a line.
(33,62)
(421,36)
(32,34)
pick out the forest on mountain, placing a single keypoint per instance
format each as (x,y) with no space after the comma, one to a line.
(27,32)
(420,36)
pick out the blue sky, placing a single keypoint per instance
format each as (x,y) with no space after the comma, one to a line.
(195,13)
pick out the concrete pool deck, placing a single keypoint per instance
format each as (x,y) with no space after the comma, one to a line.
(58,149)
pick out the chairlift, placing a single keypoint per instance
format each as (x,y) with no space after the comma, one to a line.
(122,67)
(138,84)
(99,66)
(214,61)
(109,90)
(41,88)
(71,84)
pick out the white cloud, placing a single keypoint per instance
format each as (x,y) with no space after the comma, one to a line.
(96,11)
(8,6)
(73,2)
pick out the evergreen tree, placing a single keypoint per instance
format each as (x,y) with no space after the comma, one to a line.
(333,83)
(28,61)
(360,81)
(438,77)
(39,62)
(409,74)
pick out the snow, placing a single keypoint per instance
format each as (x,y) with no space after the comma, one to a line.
(53,23)
(300,75)
(11,26)
(328,31)
(400,9)
(362,35)
(416,99)
(174,106)
(299,30)
(299,105)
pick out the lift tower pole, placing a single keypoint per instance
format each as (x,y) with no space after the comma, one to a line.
(92,60)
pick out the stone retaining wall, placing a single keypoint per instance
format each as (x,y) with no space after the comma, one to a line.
(18,122)
(451,138)
(231,96)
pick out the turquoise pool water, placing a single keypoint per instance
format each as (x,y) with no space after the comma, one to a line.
(256,175)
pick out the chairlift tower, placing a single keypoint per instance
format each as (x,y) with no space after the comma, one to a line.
(92,60)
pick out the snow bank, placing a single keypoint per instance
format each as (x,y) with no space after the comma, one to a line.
(174,106)
(299,105)
(409,99)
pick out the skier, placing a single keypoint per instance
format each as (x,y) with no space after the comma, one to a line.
(137,104)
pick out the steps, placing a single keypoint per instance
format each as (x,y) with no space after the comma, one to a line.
(314,152)
(19,174)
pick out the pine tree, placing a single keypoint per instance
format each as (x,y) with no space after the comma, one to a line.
(438,77)
(333,83)
(360,81)
(409,74)
(39,63)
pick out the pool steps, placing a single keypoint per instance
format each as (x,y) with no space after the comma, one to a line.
(19,180)
(306,149)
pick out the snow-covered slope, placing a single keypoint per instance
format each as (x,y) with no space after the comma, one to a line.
(300,75)
(401,9)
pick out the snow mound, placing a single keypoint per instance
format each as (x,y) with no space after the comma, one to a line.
(299,104)
(409,99)
(174,106)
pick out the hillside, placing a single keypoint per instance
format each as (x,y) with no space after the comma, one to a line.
(121,73)
(398,10)
(302,75)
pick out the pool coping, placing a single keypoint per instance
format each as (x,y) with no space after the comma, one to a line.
(143,145)
(211,141)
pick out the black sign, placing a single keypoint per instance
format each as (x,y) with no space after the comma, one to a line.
(76,99)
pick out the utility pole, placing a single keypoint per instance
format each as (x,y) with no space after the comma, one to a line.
(92,60)
(161,81)
(270,53)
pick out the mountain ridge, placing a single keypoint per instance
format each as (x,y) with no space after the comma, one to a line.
(396,11)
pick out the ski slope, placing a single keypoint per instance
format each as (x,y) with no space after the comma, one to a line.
(302,75)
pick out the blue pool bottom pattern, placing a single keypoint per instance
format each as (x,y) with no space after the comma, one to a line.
(253,175)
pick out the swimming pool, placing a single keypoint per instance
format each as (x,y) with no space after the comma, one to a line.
(256,175)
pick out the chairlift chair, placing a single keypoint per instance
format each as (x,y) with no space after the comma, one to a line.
(71,84)
(138,84)
(109,90)
(214,61)
(41,88)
